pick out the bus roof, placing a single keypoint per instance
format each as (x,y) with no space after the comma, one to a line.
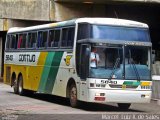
(112,21)
(103,21)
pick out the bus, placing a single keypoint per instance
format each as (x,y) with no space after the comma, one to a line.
(55,59)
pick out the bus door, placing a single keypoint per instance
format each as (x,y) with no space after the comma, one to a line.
(84,70)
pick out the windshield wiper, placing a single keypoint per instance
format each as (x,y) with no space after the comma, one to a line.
(134,66)
(114,68)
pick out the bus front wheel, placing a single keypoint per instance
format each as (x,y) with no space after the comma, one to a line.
(124,106)
(73,96)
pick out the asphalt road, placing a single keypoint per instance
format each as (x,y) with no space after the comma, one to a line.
(40,106)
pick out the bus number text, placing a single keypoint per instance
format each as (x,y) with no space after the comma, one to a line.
(9,57)
(108,82)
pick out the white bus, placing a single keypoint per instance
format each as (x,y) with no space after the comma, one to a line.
(56,59)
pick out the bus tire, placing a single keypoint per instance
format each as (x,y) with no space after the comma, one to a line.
(124,106)
(73,95)
(14,83)
(21,91)
(15,87)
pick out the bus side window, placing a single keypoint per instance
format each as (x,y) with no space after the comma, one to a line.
(54,38)
(20,41)
(71,32)
(83,31)
(67,37)
(29,40)
(39,42)
(57,38)
(42,39)
(32,38)
(8,41)
(45,37)
(23,45)
(13,41)
(64,37)
(51,38)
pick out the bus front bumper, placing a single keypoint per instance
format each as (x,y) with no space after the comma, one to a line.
(119,96)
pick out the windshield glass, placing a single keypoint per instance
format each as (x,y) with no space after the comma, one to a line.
(106,62)
(109,61)
(137,63)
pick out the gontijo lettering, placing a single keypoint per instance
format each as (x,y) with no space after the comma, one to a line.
(27,58)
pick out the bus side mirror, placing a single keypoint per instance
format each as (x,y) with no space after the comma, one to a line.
(85,63)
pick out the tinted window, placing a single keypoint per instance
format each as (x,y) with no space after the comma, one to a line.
(51,38)
(120,33)
(8,41)
(42,39)
(32,38)
(83,31)
(13,41)
(22,41)
(86,31)
(54,37)
(67,37)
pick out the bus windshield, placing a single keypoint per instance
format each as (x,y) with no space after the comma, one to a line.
(137,63)
(111,62)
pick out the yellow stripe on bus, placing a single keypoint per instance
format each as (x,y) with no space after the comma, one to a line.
(37,70)
(42,58)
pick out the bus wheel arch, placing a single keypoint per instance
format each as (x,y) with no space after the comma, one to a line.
(72,93)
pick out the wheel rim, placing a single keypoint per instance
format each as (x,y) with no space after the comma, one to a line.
(73,95)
